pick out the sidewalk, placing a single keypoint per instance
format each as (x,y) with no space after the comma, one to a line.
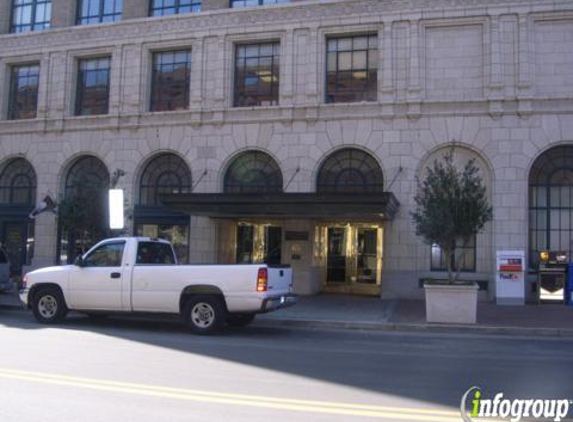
(370,313)
(367,313)
(10,300)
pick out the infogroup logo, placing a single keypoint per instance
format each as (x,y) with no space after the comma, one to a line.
(511,409)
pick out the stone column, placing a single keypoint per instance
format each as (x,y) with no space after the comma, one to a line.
(63,13)
(45,238)
(133,9)
(5,12)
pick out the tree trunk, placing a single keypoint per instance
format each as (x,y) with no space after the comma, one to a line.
(448,254)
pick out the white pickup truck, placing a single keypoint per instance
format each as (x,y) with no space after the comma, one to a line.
(136,274)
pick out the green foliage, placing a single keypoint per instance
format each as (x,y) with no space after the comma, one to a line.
(451,205)
(83,216)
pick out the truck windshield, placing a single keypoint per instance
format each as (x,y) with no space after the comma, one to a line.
(155,253)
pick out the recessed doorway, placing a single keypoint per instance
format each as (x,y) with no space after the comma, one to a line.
(352,256)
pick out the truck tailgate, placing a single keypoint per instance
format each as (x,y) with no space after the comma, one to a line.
(280,280)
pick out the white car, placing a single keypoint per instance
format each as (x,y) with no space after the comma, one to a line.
(136,274)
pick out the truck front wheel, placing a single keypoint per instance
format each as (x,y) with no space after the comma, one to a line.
(204,314)
(49,306)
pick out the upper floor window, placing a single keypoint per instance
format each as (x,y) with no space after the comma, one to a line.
(92,96)
(174,7)
(30,15)
(351,70)
(170,80)
(98,11)
(256,75)
(23,99)
(249,3)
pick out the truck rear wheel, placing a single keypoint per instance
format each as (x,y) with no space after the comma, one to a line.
(49,306)
(240,320)
(204,314)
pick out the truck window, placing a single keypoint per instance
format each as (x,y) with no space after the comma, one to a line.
(107,255)
(154,253)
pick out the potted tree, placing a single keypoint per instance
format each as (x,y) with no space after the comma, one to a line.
(451,208)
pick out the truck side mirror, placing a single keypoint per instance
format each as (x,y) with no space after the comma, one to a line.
(79,262)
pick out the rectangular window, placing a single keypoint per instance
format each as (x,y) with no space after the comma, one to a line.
(468,260)
(23,100)
(92,96)
(256,75)
(170,80)
(174,7)
(249,3)
(351,69)
(154,253)
(30,15)
(98,11)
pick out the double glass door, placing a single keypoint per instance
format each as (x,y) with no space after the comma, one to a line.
(353,258)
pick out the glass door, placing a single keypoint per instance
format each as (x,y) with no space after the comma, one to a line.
(257,243)
(353,255)
(336,261)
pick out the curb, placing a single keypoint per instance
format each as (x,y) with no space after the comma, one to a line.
(420,328)
(397,328)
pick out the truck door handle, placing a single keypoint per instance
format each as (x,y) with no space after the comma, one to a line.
(115,275)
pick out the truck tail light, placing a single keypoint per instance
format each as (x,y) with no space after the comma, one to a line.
(262,280)
(24,282)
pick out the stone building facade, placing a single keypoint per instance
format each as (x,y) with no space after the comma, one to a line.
(493,79)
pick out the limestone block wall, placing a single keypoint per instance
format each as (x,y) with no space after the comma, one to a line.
(495,79)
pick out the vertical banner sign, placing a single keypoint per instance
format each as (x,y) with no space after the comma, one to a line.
(116,209)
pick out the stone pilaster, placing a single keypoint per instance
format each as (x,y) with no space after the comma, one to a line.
(133,9)
(5,6)
(215,4)
(63,13)
(45,238)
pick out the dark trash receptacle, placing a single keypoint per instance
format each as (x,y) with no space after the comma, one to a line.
(569,286)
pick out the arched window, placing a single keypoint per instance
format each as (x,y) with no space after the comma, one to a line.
(551,202)
(18,183)
(253,172)
(85,176)
(350,170)
(166,173)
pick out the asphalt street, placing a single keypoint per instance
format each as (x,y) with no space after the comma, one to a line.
(138,370)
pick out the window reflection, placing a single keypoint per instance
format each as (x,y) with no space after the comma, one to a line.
(256,75)
(92,95)
(351,72)
(31,15)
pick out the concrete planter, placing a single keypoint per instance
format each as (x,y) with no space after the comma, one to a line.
(449,303)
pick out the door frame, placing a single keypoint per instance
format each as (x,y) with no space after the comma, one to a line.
(350,287)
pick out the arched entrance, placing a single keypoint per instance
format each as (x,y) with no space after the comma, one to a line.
(164,174)
(17,199)
(350,249)
(83,211)
(551,210)
(255,172)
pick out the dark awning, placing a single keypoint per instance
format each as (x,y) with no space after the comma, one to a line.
(285,205)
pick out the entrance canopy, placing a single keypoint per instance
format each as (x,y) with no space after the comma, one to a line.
(366,206)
